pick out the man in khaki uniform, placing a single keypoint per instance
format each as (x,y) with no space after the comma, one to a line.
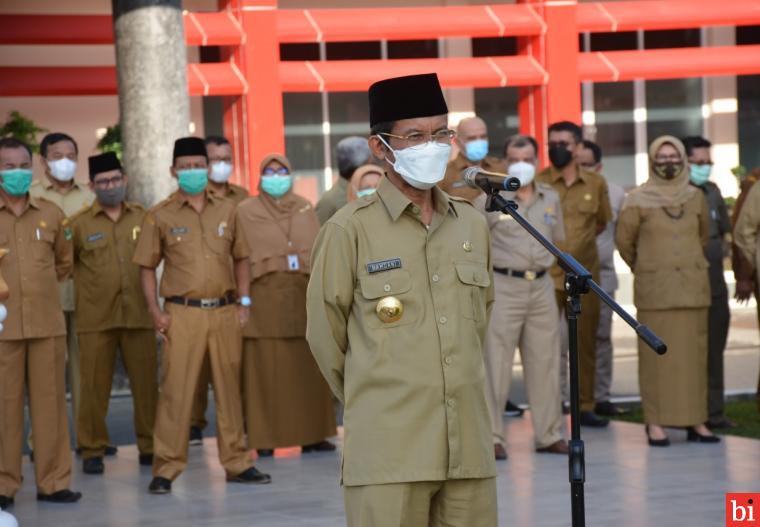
(585,211)
(219,152)
(195,233)
(525,311)
(397,308)
(352,152)
(111,313)
(472,140)
(33,236)
(59,154)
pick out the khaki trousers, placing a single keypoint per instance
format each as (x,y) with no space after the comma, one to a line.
(72,348)
(450,503)
(42,362)
(195,334)
(200,400)
(97,356)
(587,328)
(525,314)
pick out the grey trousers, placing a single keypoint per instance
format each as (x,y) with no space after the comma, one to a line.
(717,335)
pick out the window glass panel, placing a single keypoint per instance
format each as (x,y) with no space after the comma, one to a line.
(498,108)
(413,49)
(615,131)
(674,107)
(748,94)
(303,140)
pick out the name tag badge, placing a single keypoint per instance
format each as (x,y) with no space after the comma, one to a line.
(95,237)
(384,265)
(179,230)
(293,264)
(549,219)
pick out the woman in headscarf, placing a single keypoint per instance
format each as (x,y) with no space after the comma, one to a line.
(285,398)
(661,232)
(364,182)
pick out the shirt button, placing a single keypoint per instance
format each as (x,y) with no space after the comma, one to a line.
(447,360)
(450,403)
(416,210)
(436,278)
(443,320)
(386,287)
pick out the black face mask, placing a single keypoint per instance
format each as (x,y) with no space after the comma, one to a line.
(112,196)
(667,170)
(560,156)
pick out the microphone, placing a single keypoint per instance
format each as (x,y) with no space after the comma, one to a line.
(476,177)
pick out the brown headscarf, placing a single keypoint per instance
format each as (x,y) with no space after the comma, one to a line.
(354,184)
(284,206)
(658,191)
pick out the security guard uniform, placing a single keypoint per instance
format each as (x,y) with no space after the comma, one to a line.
(199,288)
(397,315)
(525,315)
(33,345)
(585,208)
(111,315)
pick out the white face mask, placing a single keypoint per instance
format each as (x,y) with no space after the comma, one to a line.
(63,169)
(421,167)
(523,171)
(220,172)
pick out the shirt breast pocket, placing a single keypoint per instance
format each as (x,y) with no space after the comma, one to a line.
(181,249)
(221,245)
(42,245)
(96,253)
(387,300)
(588,206)
(473,287)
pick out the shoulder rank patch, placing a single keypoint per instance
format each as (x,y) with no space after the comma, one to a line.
(95,237)
(384,265)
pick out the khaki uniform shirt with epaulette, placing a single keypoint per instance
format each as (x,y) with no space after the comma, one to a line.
(78,198)
(332,201)
(453,183)
(235,193)
(512,246)
(37,256)
(108,290)
(411,377)
(585,209)
(197,249)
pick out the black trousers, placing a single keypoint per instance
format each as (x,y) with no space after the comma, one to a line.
(719,320)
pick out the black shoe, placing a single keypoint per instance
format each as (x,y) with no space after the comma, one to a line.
(196,436)
(720,423)
(512,410)
(146,460)
(93,465)
(609,409)
(159,485)
(322,446)
(696,437)
(265,452)
(499,452)
(565,408)
(656,442)
(62,496)
(251,475)
(111,450)
(31,456)
(5,502)
(593,420)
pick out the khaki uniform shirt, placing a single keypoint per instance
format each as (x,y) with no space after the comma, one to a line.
(197,248)
(333,200)
(78,198)
(452,180)
(605,242)
(747,231)
(744,268)
(38,257)
(413,388)
(235,193)
(664,249)
(512,246)
(108,290)
(585,207)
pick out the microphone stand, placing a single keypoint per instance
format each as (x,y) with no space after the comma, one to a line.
(578,282)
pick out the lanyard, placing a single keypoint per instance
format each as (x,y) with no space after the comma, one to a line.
(285,233)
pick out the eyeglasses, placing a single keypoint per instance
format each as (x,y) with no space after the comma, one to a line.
(675,158)
(276,171)
(105,183)
(418,139)
(559,144)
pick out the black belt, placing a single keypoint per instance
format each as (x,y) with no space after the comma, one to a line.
(203,303)
(528,275)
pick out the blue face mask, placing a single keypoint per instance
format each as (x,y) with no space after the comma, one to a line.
(699,174)
(476,150)
(192,180)
(16,181)
(276,186)
(365,192)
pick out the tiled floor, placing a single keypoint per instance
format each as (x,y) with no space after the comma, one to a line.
(628,485)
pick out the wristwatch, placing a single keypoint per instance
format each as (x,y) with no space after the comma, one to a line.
(245,301)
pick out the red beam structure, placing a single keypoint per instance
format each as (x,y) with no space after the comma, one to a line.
(251,78)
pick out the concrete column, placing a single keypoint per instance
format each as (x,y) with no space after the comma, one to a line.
(721,124)
(154,104)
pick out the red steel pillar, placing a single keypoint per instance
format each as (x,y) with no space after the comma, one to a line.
(254,122)
(556,50)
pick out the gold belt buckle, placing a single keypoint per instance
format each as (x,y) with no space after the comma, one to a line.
(530,275)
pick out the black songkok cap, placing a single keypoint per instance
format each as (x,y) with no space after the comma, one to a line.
(189,146)
(406,98)
(103,163)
